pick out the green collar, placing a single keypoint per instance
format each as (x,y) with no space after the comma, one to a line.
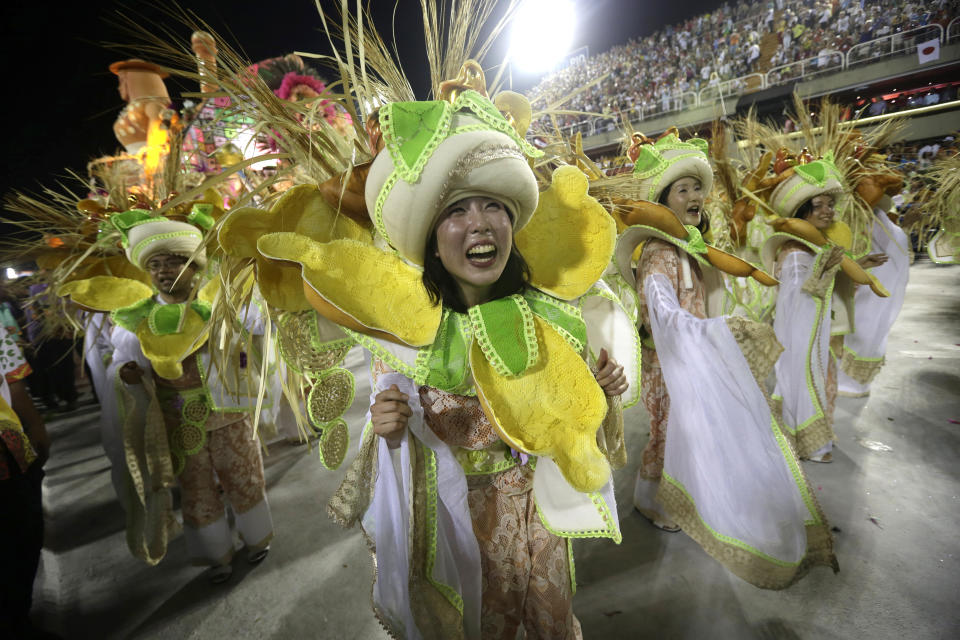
(505,331)
(163,319)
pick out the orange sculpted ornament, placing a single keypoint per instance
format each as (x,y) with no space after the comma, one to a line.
(141,87)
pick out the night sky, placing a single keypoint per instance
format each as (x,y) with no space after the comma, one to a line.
(61,100)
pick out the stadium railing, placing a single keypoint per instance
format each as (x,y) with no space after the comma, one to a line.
(829,61)
(953,30)
(892,44)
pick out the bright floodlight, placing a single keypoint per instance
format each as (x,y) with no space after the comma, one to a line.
(542,34)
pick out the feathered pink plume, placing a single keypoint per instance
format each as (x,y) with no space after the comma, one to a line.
(292,79)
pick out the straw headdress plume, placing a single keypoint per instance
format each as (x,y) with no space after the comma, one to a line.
(426,155)
(940,212)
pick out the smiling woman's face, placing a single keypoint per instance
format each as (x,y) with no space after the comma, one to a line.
(474,239)
(685,198)
(821,212)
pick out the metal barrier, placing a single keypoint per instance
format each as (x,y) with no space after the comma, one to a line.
(670,104)
(828,61)
(732,87)
(953,30)
(892,44)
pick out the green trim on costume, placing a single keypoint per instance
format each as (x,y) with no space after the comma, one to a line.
(794,465)
(612,531)
(565,318)
(317,381)
(857,356)
(395,363)
(506,334)
(481,462)
(693,245)
(129,219)
(430,471)
(503,328)
(727,539)
(484,109)
(446,363)
(819,413)
(573,571)
(143,244)
(201,215)
(385,190)
(130,317)
(412,131)
(213,405)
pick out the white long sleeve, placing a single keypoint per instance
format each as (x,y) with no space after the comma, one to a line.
(724,449)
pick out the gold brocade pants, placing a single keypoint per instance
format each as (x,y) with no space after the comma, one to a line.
(526,568)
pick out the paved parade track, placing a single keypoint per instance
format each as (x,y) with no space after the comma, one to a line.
(893,491)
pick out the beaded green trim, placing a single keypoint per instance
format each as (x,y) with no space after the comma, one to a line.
(213,405)
(137,250)
(495,326)
(395,363)
(611,530)
(724,538)
(410,147)
(481,462)
(484,109)
(392,180)
(130,317)
(320,421)
(573,571)
(691,249)
(565,318)
(430,471)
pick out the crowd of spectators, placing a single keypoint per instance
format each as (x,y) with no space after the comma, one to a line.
(663,71)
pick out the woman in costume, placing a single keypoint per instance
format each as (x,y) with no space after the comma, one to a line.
(815,300)
(184,410)
(864,349)
(716,464)
(494,428)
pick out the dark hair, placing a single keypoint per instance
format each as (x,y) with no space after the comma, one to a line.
(704,225)
(443,288)
(804,210)
(807,207)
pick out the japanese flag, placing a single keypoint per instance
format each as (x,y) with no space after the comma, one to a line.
(928,51)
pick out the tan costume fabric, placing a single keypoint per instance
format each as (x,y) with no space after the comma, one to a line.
(234,454)
(526,569)
(663,258)
(231,450)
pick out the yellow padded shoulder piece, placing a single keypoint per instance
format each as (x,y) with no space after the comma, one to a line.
(570,238)
(356,285)
(166,352)
(301,210)
(554,409)
(839,233)
(105,293)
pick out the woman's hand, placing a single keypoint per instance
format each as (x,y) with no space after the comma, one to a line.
(834,257)
(389,415)
(610,375)
(872,260)
(131,373)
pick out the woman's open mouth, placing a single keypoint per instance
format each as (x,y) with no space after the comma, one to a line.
(482,255)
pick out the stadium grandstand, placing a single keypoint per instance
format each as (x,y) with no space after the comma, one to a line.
(874,57)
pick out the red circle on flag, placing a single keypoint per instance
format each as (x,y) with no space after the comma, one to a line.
(928,50)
